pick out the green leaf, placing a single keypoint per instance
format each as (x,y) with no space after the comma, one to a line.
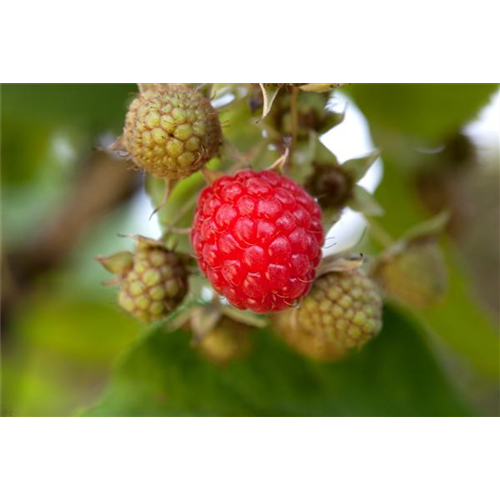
(24,146)
(395,374)
(98,107)
(76,327)
(426,111)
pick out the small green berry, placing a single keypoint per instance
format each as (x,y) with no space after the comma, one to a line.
(154,281)
(171,131)
(335,311)
(305,342)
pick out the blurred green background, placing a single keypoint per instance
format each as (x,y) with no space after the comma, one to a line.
(68,350)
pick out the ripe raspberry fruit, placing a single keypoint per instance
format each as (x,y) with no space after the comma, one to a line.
(344,307)
(153,280)
(171,131)
(258,238)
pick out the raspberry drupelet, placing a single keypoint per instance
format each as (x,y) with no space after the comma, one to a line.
(258,239)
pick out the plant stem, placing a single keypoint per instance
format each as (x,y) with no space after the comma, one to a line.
(295,121)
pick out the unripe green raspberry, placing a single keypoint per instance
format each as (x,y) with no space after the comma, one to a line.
(306,343)
(344,307)
(171,131)
(413,273)
(156,284)
(153,280)
(227,341)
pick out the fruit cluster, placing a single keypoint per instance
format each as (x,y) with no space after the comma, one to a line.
(257,232)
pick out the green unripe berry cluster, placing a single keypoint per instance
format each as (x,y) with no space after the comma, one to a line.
(171,131)
(344,307)
(155,285)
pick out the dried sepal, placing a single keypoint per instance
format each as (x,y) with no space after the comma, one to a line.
(117,263)
(340,263)
(319,87)
(203,320)
(269,93)
(280,164)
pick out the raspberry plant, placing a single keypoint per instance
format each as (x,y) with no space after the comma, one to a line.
(199,354)
(262,193)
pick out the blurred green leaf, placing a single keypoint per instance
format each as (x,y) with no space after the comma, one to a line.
(95,106)
(23,147)
(395,375)
(83,330)
(35,392)
(427,111)
(60,354)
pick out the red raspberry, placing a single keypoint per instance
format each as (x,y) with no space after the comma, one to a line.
(258,237)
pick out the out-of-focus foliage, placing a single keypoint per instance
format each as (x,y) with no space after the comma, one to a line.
(65,348)
(428,112)
(94,107)
(51,322)
(397,375)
